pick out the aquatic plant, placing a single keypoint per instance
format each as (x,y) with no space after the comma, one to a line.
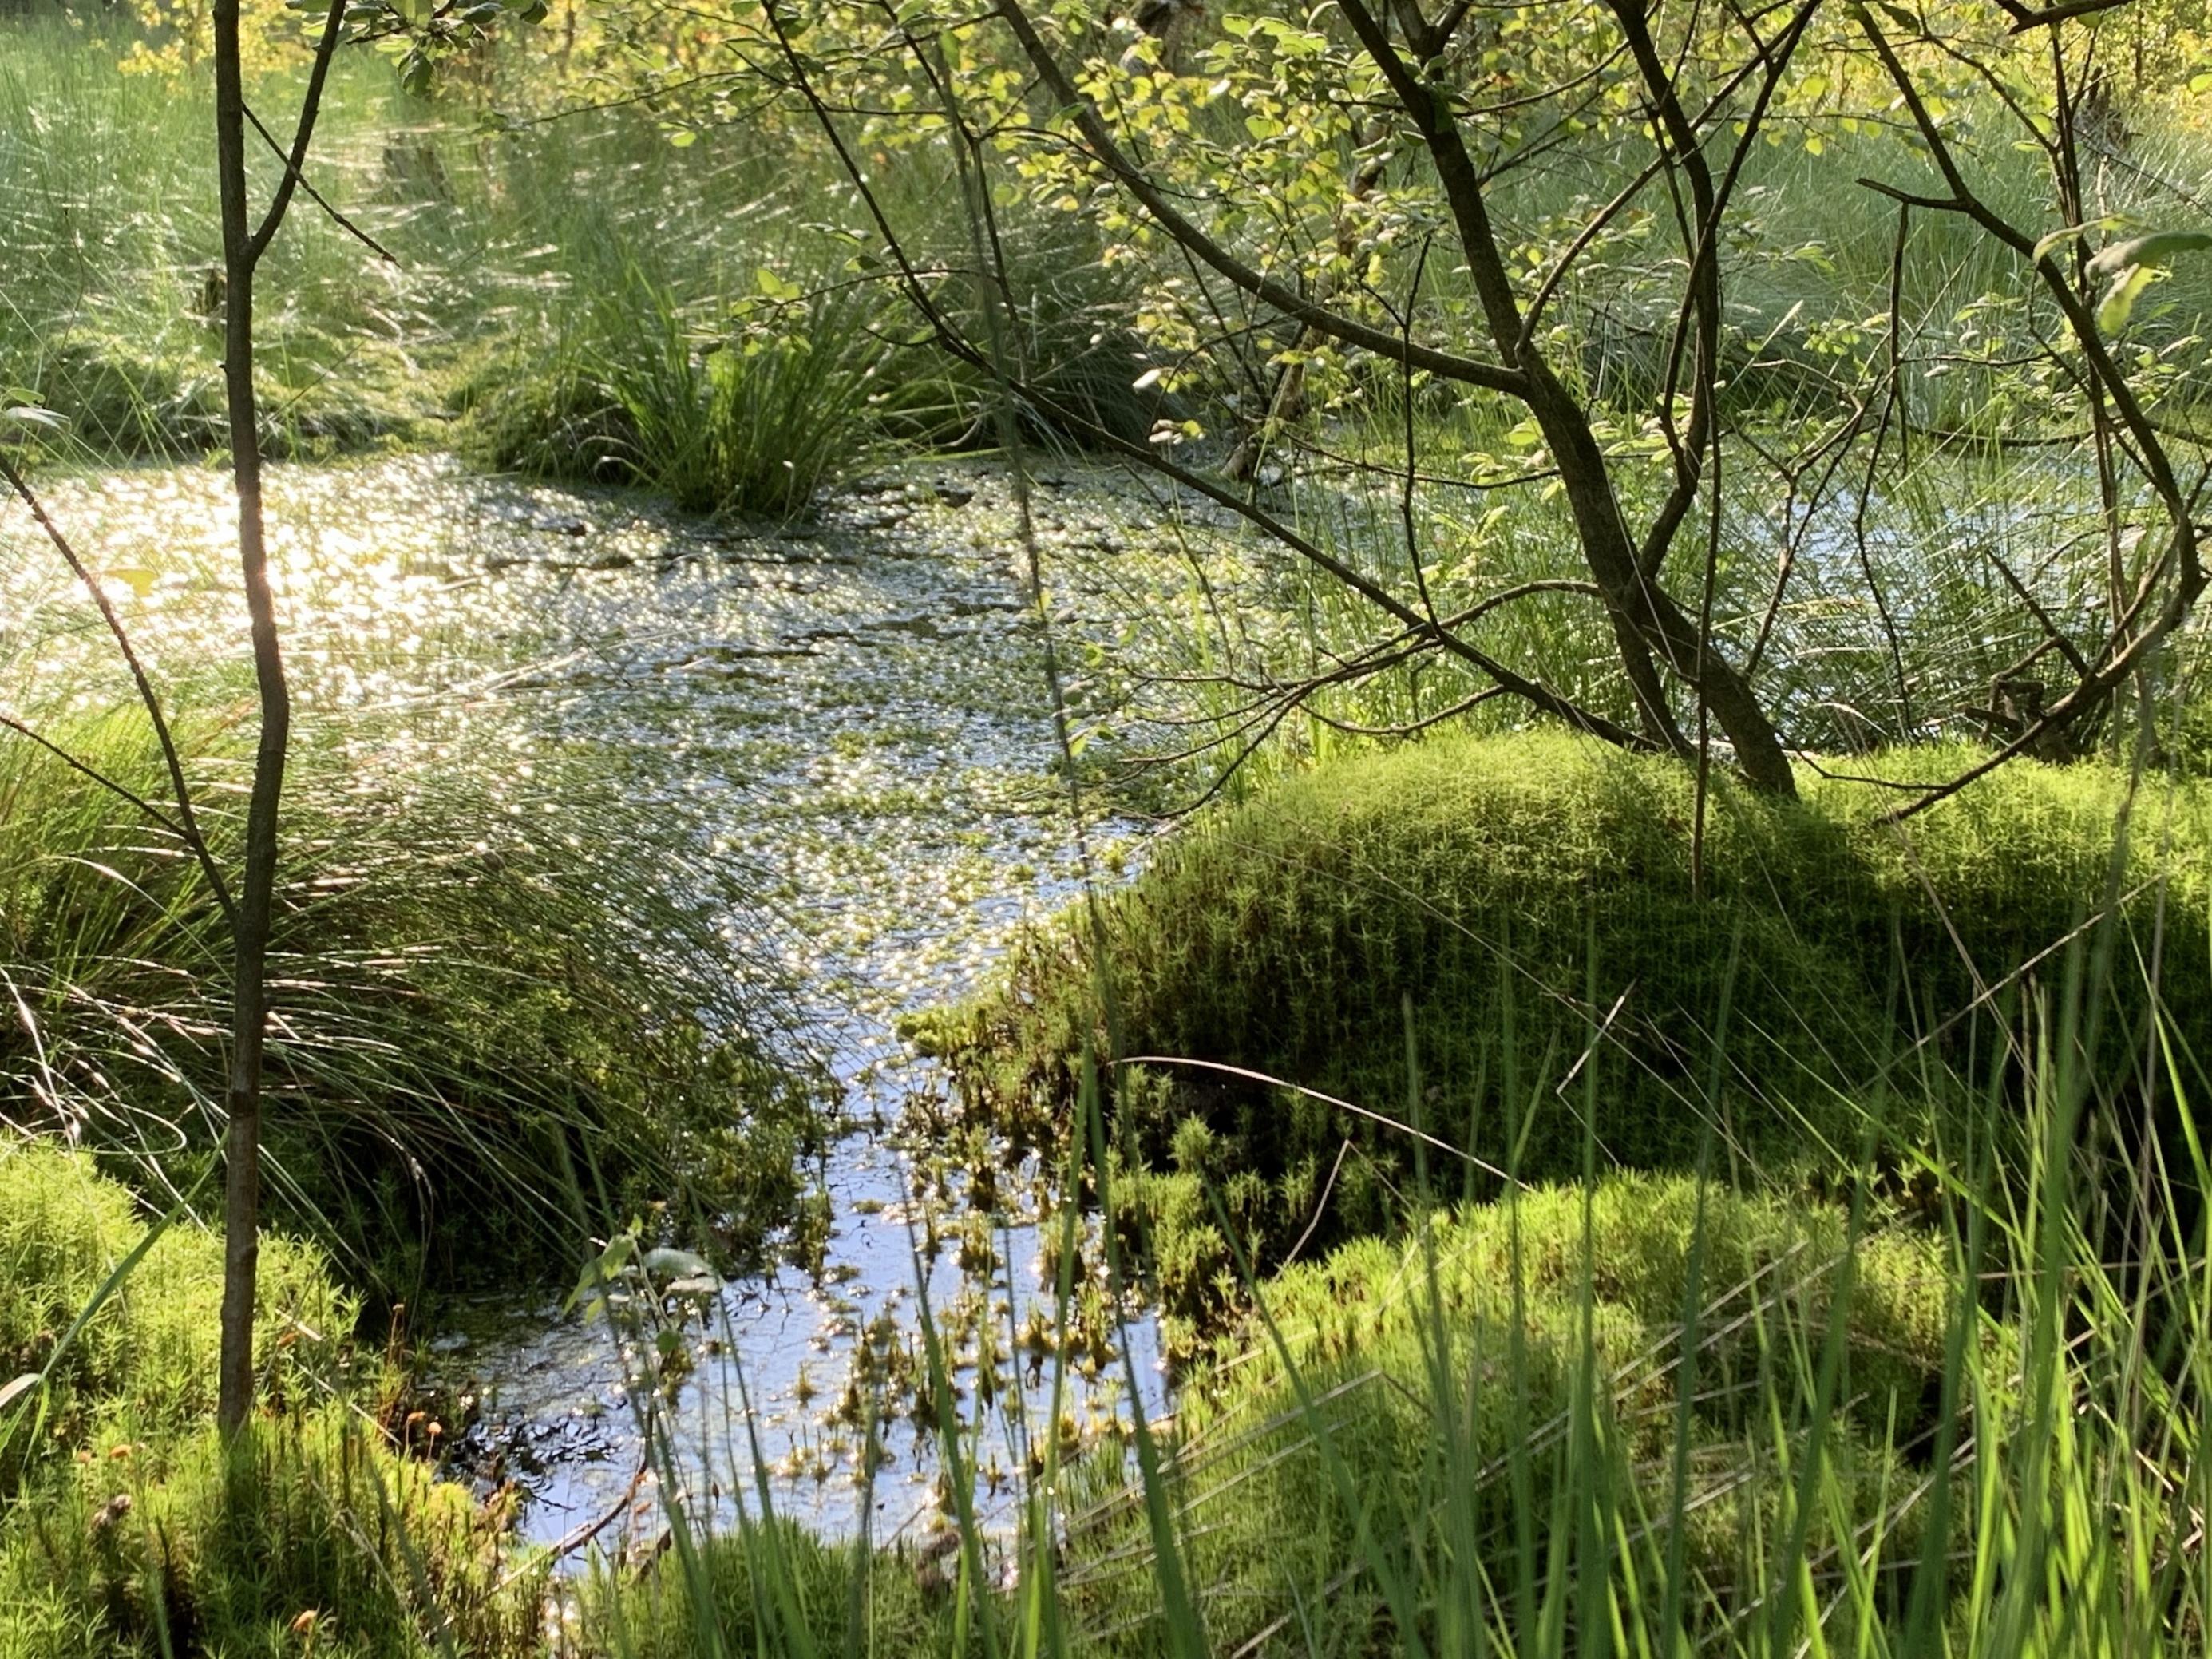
(1690,1413)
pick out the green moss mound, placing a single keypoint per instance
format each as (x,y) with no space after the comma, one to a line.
(306,1534)
(1520,893)
(129,1527)
(144,1362)
(1446,1375)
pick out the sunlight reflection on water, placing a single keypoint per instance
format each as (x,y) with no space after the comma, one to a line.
(854,710)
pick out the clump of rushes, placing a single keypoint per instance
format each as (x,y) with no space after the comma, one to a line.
(748,405)
(1537,899)
(493,1029)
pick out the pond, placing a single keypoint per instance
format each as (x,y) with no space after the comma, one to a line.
(856,712)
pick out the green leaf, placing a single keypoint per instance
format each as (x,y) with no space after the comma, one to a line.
(2155,249)
(2059,237)
(772,286)
(667,1263)
(2119,302)
(601,1271)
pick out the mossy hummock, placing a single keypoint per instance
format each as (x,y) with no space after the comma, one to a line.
(1571,933)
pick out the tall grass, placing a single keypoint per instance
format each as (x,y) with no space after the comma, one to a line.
(482,973)
(595,303)
(109,318)
(1628,1416)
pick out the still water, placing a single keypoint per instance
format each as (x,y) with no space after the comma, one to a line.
(855,711)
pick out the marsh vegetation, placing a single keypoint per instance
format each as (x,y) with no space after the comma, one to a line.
(842,829)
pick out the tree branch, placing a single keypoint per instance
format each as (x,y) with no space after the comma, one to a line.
(188,825)
(303,133)
(1100,141)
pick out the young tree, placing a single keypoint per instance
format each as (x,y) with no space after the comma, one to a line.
(244,242)
(1357,198)
(427,32)
(248,903)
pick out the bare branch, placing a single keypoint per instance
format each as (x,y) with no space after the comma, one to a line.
(98,776)
(303,134)
(317,196)
(187,821)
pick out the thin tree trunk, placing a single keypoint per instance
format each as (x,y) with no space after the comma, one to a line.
(1649,626)
(250,1010)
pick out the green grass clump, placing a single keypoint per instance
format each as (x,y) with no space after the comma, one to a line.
(144,1362)
(132,1528)
(306,1534)
(1523,892)
(480,1013)
(749,405)
(773,1587)
(1548,1330)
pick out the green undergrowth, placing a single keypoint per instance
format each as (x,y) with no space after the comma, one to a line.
(773,1587)
(112,317)
(579,300)
(710,336)
(482,1017)
(131,1528)
(1514,1352)
(748,408)
(143,1363)
(1532,901)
